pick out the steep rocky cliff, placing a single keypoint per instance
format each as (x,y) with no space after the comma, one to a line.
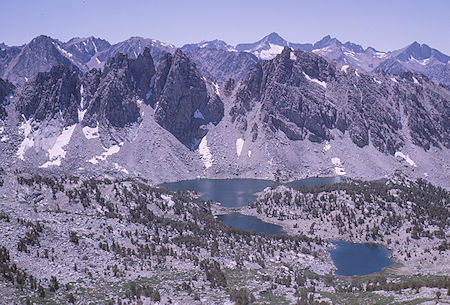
(307,96)
(181,99)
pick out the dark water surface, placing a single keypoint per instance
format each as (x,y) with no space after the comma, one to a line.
(231,193)
(250,223)
(359,259)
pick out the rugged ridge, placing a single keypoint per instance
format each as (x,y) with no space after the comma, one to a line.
(307,96)
(40,55)
(181,99)
(221,64)
(85,48)
(132,47)
(51,95)
(110,97)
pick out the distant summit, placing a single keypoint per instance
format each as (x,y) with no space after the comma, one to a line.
(270,46)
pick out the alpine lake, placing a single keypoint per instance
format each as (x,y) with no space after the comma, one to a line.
(349,258)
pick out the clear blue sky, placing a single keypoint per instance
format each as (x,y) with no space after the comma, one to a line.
(383,24)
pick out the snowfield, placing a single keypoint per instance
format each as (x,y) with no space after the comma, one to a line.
(57,152)
(28,141)
(239,144)
(205,153)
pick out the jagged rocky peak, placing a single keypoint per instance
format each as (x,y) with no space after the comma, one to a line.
(51,95)
(270,46)
(40,55)
(132,47)
(6,91)
(111,97)
(183,104)
(416,51)
(308,97)
(84,48)
(290,100)
(327,41)
(354,47)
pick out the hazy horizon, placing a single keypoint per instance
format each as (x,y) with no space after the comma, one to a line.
(384,25)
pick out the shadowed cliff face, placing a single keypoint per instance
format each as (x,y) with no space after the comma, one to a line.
(6,90)
(51,95)
(181,99)
(110,97)
(306,97)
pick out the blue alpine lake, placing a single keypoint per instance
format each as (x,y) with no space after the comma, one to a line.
(349,258)
(231,193)
(235,193)
(250,223)
(359,259)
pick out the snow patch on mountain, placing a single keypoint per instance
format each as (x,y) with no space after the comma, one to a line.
(56,153)
(216,87)
(91,133)
(338,167)
(62,51)
(28,141)
(344,68)
(352,55)
(292,56)
(273,51)
(377,81)
(120,168)
(205,153)
(380,54)
(239,144)
(323,84)
(108,152)
(408,160)
(423,62)
(81,112)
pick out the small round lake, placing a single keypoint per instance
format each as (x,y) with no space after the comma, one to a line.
(250,223)
(359,259)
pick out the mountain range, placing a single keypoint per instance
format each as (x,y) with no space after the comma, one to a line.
(215,59)
(163,116)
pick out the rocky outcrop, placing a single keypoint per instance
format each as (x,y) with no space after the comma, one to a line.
(6,90)
(307,97)
(181,99)
(110,96)
(7,54)
(51,95)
